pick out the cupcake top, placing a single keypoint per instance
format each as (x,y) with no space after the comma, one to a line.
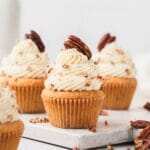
(8,106)
(112,60)
(73,69)
(27,59)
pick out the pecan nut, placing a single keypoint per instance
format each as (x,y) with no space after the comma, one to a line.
(34,36)
(107,38)
(75,42)
(140,124)
(147,106)
(142,141)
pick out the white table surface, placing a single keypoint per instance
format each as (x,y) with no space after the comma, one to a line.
(26,144)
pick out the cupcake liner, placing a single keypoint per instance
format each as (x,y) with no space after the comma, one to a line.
(73,109)
(119,92)
(28,93)
(10,134)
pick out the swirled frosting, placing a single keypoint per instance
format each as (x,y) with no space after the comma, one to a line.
(8,106)
(25,60)
(113,61)
(72,72)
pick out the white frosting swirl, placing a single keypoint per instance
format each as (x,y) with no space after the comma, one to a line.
(73,72)
(8,106)
(25,60)
(115,62)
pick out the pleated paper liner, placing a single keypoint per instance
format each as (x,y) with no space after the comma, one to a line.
(119,92)
(73,109)
(28,93)
(10,134)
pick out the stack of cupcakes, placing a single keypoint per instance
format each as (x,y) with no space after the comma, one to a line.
(24,69)
(72,95)
(117,69)
(11,128)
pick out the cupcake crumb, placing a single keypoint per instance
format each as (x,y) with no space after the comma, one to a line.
(103,113)
(39,120)
(92,128)
(110,147)
(75,148)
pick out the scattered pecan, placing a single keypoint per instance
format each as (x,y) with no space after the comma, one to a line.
(39,120)
(106,123)
(75,148)
(140,124)
(107,38)
(75,42)
(103,113)
(109,147)
(34,36)
(147,106)
(92,128)
(142,141)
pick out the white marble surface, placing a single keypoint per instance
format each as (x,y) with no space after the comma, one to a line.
(26,144)
(117,131)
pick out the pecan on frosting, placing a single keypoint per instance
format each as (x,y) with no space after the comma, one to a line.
(75,42)
(107,38)
(34,36)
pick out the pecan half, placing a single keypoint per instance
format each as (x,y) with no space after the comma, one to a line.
(75,42)
(34,36)
(140,124)
(147,106)
(142,141)
(107,38)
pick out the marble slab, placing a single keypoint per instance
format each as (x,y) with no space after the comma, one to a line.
(117,131)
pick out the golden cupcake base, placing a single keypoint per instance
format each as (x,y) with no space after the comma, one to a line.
(73,109)
(119,92)
(10,134)
(28,93)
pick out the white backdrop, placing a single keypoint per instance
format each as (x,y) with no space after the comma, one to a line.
(89,19)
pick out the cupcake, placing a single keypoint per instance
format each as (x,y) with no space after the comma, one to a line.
(118,71)
(71,97)
(24,69)
(11,128)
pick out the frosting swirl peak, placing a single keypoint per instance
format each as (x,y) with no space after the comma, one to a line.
(72,72)
(113,61)
(25,60)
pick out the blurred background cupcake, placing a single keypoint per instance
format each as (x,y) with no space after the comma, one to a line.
(24,68)
(71,96)
(116,68)
(11,127)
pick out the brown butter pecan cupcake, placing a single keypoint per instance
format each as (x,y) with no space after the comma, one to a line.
(118,71)
(71,96)
(24,69)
